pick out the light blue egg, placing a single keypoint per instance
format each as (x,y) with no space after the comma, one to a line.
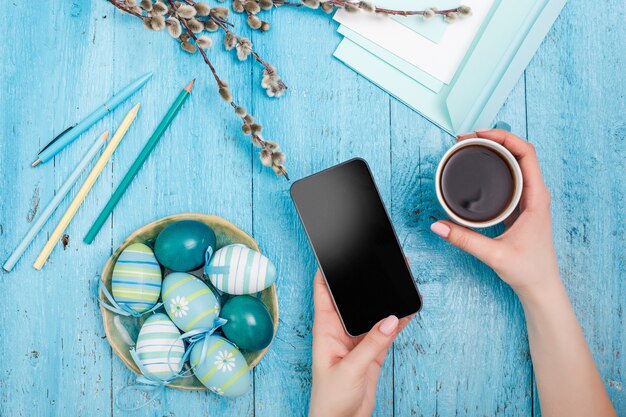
(136,280)
(224,370)
(158,347)
(189,302)
(237,269)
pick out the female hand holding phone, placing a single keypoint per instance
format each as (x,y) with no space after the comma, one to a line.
(345,370)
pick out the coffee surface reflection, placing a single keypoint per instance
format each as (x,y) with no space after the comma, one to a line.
(477,184)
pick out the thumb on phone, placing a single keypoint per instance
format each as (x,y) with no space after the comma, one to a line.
(374,345)
(481,246)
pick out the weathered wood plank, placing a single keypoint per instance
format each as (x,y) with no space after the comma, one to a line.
(466,353)
(576,121)
(329,115)
(193,168)
(54,361)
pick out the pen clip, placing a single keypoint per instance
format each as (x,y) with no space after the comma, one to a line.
(56,138)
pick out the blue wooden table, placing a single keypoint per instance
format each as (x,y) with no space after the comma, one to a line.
(466,354)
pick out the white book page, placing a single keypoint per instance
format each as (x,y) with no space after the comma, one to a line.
(441,60)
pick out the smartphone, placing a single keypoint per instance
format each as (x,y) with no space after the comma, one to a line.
(356,246)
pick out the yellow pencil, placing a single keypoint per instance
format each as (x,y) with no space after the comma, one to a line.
(89,182)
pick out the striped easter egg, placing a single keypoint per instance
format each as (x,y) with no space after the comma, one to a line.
(237,269)
(189,302)
(158,347)
(136,280)
(224,370)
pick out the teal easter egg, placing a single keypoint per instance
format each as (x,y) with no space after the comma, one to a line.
(237,269)
(181,245)
(136,280)
(189,302)
(249,325)
(158,347)
(224,370)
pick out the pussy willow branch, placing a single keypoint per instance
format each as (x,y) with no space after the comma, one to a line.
(222,24)
(125,9)
(226,22)
(343,3)
(256,138)
(261,142)
(193,36)
(381,10)
(256,56)
(287,3)
(220,83)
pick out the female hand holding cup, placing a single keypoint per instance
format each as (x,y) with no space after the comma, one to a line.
(524,257)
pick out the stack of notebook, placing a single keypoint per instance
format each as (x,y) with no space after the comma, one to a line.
(458,74)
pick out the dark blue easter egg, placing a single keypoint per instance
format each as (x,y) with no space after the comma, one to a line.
(181,246)
(249,323)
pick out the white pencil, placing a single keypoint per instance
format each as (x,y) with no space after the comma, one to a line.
(86,187)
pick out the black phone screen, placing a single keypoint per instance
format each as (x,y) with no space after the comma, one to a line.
(356,246)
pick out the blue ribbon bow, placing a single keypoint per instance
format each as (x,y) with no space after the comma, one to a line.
(117,308)
(146,382)
(212,269)
(193,337)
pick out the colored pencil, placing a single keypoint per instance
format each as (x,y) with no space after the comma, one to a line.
(69,135)
(134,169)
(86,187)
(54,203)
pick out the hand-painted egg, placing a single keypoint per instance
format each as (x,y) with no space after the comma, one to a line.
(189,302)
(181,246)
(158,347)
(237,269)
(224,370)
(249,325)
(136,280)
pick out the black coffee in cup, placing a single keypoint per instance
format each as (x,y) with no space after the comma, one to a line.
(477,183)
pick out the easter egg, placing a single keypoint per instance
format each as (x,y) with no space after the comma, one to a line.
(136,280)
(237,269)
(189,302)
(181,245)
(224,370)
(158,347)
(249,325)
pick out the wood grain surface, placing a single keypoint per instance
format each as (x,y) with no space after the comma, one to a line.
(466,354)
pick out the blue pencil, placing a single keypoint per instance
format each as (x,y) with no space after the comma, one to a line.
(69,135)
(54,203)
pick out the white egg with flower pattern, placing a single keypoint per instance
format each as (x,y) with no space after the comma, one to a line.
(158,347)
(189,302)
(223,370)
(237,269)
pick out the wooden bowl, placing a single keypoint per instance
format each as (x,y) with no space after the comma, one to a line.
(121,332)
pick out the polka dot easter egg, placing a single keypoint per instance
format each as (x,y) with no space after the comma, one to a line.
(158,347)
(189,302)
(237,269)
(136,280)
(224,370)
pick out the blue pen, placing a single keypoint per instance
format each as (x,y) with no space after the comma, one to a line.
(69,135)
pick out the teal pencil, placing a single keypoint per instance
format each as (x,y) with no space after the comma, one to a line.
(134,168)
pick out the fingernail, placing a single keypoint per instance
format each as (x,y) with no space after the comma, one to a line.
(440,229)
(388,325)
(464,136)
(481,130)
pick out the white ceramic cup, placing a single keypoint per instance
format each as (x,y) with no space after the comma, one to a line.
(517,176)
